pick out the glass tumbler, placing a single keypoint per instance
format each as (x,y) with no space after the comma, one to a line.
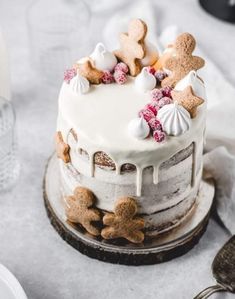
(9,164)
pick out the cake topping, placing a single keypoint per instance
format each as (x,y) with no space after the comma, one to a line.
(139,128)
(62,149)
(132,48)
(79,84)
(145,81)
(78,209)
(151,54)
(193,80)
(69,74)
(159,136)
(120,77)
(121,66)
(183,62)
(88,71)
(174,118)
(103,59)
(107,77)
(123,223)
(146,113)
(188,100)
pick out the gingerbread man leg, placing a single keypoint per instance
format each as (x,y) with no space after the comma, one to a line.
(109,233)
(135,237)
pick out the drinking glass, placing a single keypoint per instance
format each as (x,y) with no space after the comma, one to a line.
(9,164)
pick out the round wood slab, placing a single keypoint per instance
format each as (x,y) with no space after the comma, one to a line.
(156,250)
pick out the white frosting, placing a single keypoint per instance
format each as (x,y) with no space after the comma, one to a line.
(145,81)
(174,118)
(197,85)
(79,84)
(138,128)
(151,55)
(103,59)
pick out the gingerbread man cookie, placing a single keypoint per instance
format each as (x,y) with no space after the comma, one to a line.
(132,47)
(62,148)
(183,61)
(78,209)
(88,71)
(123,223)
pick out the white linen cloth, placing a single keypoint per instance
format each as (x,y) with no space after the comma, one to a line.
(219,160)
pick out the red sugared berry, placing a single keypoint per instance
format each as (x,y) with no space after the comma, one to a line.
(69,74)
(151,70)
(164,101)
(120,77)
(156,94)
(159,135)
(166,91)
(107,77)
(121,66)
(155,124)
(146,114)
(160,75)
(151,107)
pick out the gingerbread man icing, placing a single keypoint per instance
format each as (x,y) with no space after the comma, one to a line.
(78,209)
(132,48)
(123,223)
(183,61)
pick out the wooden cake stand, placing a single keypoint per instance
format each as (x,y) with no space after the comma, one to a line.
(156,250)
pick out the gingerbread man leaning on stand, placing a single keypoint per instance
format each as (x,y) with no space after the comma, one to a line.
(123,223)
(132,47)
(183,61)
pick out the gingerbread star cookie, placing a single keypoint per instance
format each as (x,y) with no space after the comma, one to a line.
(132,47)
(123,223)
(183,61)
(62,148)
(187,99)
(88,71)
(78,209)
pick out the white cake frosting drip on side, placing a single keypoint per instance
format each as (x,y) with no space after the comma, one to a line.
(101,118)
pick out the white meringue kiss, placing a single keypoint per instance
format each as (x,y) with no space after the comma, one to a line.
(145,81)
(174,118)
(79,84)
(151,55)
(103,59)
(138,128)
(197,85)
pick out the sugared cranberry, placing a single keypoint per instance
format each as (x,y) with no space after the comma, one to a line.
(166,91)
(121,66)
(107,77)
(159,136)
(155,124)
(120,77)
(164,101)
(156,94)
(69,74)
(147,114)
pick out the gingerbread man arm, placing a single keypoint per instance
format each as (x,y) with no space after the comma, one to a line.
(198,62)
(171,63)
(138,223)
(109,233)
(109,219)
(135,236)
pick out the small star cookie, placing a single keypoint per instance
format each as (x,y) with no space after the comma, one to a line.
(187,99)
(78,209)
(123,223)
(62,148)
(88,71)
(132,47)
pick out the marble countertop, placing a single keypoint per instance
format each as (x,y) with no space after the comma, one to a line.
(44,264)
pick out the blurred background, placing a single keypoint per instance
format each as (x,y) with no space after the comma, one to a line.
(42,38)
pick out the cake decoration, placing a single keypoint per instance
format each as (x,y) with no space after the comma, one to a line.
(193,80)
(167,53)
(69,74)
(132,48)
(174,118)
(78,209)
(160,76)
(88,71)
(145,81)
(103,60)
(123,223)
(120,77)
(107,77)
(151,54)
(121,66)
(188,100)
(159,136)
(79,84)
(62,149)
(138,128)
(183,62)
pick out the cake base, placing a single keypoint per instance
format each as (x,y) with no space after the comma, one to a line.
(156,250)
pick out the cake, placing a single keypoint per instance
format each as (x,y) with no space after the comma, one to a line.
(129,138)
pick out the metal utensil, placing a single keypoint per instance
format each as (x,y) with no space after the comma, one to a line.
(223,269)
